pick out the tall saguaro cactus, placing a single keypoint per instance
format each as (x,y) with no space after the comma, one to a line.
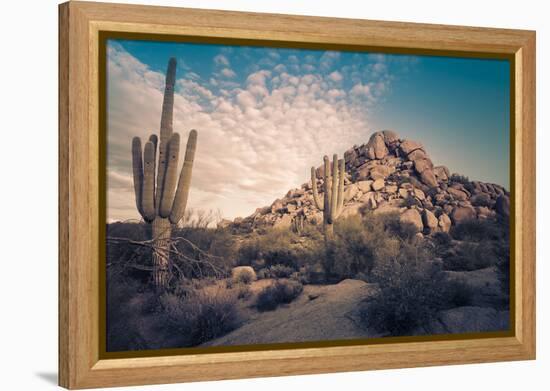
(333,193)
(160,197)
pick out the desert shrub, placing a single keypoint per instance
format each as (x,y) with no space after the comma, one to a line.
(410,292)
(442,243)
(280,247)
(479,230)
(470,256)
(457,178)
(127,303)
(280,271)
(457,293)
(281,292)
(360,243)
(243,291)
(202,316)
(502,253)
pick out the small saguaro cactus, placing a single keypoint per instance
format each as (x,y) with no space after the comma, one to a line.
(333,193)
(160,197)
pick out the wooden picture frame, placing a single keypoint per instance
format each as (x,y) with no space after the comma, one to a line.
(80,25)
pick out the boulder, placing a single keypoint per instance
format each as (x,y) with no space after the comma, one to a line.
(417,154)
(421,165)
(481,199)
(391,189)
(419,194)
(427,176)
(380,172)
(471,319)
(376,147)
(444,223)
(411,217)
(403,193)
(369,199)
(461,214)
(442,173)
(350,192)
(378,184)
(284,222)
(502,205)
(390,137)
(408,146)
(364,186)
(457,194)
(429,220)
(243,273)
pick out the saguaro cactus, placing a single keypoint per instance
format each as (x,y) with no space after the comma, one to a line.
(159,201)
(333,193)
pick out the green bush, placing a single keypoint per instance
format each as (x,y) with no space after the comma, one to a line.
(202,316)
(280,271)
(361,243)
(410,292)
(281,292)
(470,256)
(477,230)
(280,247)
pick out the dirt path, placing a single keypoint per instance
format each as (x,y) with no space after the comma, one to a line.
(321,312)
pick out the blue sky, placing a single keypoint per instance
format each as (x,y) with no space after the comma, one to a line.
(265,115)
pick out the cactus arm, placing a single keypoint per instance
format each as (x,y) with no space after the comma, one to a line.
(334,196)
(326,187)
(166,125)
(170,176)
(148,194)
(154,139)
(182,192)
(341,178)
(316,198)
(137,167)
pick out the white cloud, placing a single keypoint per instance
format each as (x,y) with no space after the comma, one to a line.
(220,59)
(227,72)
(335,76)
(255,141)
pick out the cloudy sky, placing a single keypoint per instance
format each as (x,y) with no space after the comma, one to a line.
(265,115)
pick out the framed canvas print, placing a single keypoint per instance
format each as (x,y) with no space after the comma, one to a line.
(247,195)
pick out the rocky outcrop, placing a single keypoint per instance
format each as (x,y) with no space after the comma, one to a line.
(390,174)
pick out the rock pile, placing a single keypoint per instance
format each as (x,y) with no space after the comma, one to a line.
(390,174)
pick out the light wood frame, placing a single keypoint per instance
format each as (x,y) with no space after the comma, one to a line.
(80,365)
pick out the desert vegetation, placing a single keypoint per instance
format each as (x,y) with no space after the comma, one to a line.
(379,243)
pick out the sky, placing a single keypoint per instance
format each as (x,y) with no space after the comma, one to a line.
(265,115)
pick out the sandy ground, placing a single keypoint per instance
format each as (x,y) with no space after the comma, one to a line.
(321,312)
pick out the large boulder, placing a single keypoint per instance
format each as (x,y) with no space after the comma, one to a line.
(427,176)
(411,217)
(390,137)
(429,220)
(502,205)
(284,222)
(420,165)
(408,146)
(376,147)
(457,194)
(364,186)
(442,173)
(378,184)
(380,172)
(444,223)
(461,214)
(350,192)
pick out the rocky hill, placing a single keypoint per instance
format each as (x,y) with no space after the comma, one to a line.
(389,174)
